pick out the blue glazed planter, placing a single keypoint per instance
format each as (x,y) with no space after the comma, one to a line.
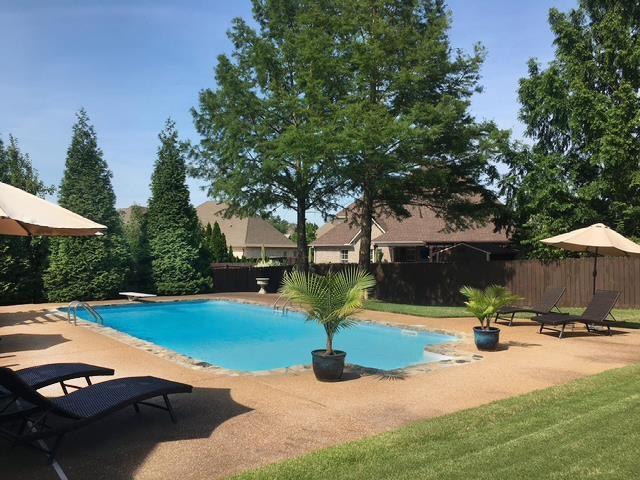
(328,368)
(486,339)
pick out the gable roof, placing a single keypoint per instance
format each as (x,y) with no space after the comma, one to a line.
(242,232)
(423,226)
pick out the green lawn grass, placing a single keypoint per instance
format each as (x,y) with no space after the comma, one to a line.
(630,316)
(418,310)
(588,429)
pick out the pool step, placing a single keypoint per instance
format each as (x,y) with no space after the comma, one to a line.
(409,333)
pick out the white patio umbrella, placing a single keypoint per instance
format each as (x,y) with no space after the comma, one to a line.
(23,214)
(597,239)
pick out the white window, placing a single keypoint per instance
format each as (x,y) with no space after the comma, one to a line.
(344,256)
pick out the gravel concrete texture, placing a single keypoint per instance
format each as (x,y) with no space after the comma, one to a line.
(234,423)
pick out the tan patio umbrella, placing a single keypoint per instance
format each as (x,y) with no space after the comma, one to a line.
(23,214)
(597,239)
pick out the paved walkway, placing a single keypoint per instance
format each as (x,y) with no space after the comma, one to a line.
(233,423)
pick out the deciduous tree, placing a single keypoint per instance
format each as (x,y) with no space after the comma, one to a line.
(582,113)
(268,127)
(407,134)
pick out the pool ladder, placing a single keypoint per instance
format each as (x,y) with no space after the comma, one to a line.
(281,308)
(73,307)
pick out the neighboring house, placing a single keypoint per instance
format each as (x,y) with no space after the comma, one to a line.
(125,213)
(422,237)
(247,236)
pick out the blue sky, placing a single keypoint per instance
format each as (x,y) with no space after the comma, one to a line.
(132,64)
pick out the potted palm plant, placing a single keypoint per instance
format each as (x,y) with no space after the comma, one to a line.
(329,300)
(484,304)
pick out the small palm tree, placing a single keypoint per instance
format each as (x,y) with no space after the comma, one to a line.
(328,299)
(484,304)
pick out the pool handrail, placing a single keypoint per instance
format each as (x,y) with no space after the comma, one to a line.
(284,306)
(74,306)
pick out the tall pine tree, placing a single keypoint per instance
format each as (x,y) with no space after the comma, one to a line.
(23,258)
(95,267)
(220,251)
(179,261)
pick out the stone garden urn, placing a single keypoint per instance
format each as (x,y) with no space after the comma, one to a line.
(262,283)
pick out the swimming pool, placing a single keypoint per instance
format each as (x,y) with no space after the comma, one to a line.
(252,338)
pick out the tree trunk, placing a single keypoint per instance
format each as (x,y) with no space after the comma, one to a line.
(302,252)
(329,344)
(366,222)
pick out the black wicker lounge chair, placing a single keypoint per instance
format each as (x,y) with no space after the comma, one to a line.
(55,417)
(595,314)
(44,375)
(548,302)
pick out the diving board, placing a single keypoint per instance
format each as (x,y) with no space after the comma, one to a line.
(136,296)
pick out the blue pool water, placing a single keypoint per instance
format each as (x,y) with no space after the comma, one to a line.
(252,338)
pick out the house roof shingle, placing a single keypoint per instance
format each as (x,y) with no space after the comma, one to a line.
(242,232)
(422,227)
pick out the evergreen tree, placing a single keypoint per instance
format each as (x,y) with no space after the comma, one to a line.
(216,244)
(179,260)
(207,240)
(219,244)
(95,267)
(582,113)
(135,231)
(23,258)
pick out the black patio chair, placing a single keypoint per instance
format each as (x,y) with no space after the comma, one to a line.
(547,302)
(595,314)
(81,407)
(43,376)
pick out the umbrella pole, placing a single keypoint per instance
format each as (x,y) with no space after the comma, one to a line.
(595,270)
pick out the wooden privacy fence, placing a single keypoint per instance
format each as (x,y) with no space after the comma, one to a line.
(242,278)
(439,283)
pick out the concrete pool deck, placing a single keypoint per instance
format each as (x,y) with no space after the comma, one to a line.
(233,423)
